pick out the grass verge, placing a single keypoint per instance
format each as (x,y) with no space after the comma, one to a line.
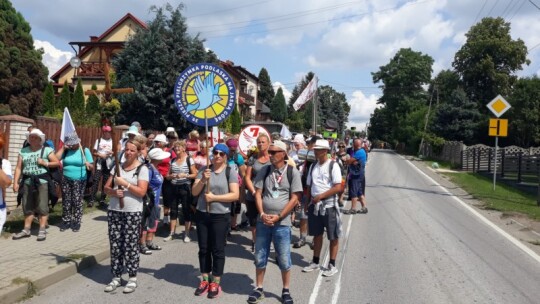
(31,288)
(505,198)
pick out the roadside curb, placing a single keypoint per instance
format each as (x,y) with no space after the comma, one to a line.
(33,286)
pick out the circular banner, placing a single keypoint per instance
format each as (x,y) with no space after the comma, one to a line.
(204,91)
(248,138)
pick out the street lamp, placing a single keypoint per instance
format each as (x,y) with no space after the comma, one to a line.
(75,63)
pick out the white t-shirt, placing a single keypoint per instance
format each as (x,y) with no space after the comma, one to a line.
(321,181)
(6,167)
(132,203)
(105,145)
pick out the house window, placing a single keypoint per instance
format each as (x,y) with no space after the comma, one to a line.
(250,90)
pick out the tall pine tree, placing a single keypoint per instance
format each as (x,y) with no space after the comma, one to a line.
(266,92)
(278,108)
(77,108)
(65,97)
(23,76)
(49,101)
(92,103)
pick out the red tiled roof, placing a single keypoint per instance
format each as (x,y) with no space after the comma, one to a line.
(107,32)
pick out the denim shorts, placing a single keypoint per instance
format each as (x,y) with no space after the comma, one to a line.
(355,187)
(281,237)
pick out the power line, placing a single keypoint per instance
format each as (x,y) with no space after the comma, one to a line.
(310,23)
(518,9)
(507,7)
(480,11)
(534,4)
(489,13)
(280,17)
(229,9)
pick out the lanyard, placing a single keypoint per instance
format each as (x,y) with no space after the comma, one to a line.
(277,180)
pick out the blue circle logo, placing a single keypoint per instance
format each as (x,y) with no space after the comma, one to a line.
(205,91)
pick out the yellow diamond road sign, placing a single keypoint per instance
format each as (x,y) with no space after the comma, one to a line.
(498,106)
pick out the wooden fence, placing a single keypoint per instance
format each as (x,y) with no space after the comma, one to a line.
(88,135)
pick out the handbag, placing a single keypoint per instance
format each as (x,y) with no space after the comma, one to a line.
(89,173)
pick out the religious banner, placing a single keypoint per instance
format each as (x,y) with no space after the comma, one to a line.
(248,138)
(205,92)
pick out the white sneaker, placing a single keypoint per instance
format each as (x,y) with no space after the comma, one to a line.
(187,239)
(311,267)
(169,238)
(330,271)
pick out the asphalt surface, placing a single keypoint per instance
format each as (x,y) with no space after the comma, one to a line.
(417,244)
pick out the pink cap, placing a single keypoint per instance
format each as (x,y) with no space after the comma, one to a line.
(106,129)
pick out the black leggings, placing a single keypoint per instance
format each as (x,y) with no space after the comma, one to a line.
(183,196)
(212,233)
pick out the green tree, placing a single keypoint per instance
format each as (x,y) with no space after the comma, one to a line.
(23,76)
(444,84)
(78,108)
(379,124)
(333,106)
(457,119)
(524,116)
(151,62)
(266,92)
(488,60)
(236,121)
(92,103)
(49,101)
(278,108)
(65,98)
(402,80)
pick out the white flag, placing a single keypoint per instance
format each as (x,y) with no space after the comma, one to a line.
(67,127)
(307,94)
(285,133)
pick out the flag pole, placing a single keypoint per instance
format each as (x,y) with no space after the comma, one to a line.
(315,111)
(207,159)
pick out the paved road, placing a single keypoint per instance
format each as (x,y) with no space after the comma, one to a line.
(416,245)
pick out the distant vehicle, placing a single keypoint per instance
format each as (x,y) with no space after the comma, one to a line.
(270,126)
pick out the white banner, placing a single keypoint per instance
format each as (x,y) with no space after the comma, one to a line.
(67,127)
(307,94)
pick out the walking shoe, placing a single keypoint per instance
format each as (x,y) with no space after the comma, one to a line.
(350,211)
(330,271)
(187,239)
(113,285)
(214,290)
(299,243)
(42,235)
(76,227)
(202,289)
(144,250)
(20,235)
(64,226)
(169,238)
(90,205)
(311,267)
(103,205)
(256,296)
(363,210)
(286,298)
(153,246)
(131,285)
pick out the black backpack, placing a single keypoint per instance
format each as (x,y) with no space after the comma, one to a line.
(330,168)
(54,173)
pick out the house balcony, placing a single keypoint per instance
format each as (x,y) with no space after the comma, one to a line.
(91,69)
(246,99)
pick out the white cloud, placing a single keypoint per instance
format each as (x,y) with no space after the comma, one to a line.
(53,58)
(276,85)
(362,107)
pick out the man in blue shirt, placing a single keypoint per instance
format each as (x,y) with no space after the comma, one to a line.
(357,167)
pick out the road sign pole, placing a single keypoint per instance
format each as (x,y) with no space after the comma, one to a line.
(495,162)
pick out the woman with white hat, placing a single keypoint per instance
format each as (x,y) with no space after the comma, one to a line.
(76,162)
(152,212)
(33,163)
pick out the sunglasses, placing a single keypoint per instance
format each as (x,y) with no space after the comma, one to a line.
(341,146)
(274,152)
(222,154)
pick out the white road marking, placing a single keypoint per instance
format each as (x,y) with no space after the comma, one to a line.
(505,234)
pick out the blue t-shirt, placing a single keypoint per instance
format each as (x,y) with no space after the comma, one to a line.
(358,169)
(236,159)
(155,183)
(73,163)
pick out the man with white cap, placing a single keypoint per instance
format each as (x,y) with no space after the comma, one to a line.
(324,185)
(275,197)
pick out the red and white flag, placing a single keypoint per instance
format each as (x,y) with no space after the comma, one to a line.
(67,127)
(307,94)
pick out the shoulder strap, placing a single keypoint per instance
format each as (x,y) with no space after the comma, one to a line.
(290,179)
(268,170)
(188,161)
(138,170)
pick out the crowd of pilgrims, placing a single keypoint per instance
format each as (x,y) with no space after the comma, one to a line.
(162,181)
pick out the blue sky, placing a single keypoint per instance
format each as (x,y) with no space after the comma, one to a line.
(341,41)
